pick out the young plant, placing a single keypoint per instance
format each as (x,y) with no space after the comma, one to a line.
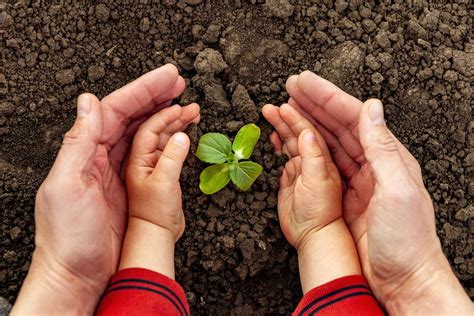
(217,149)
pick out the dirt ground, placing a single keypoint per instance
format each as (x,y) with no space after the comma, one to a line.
(236,56)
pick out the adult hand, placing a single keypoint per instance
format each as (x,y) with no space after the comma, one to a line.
(81,206)
(386,205)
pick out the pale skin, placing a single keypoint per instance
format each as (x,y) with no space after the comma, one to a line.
(78,246)
(81,207)
(156,219)
(310,201)
(386,205)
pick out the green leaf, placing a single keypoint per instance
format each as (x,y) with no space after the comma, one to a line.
(214,148)
(245,141)
(214,178)
(245,173)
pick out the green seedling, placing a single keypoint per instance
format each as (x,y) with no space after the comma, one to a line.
(216,148)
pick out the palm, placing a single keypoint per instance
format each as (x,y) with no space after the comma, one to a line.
(81,206)
(110,200)
(360,188)
(302,205)
(336,116)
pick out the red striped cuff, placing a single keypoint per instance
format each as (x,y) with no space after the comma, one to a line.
(348,295)
(137,291)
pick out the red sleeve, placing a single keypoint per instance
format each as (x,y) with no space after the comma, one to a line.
(349,295)
(138,291)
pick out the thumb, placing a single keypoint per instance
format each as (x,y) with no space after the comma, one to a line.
(380,147)
(313,163)
(79,146)
(170,163)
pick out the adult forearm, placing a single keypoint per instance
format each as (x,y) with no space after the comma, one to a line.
(431,290)
(51,290)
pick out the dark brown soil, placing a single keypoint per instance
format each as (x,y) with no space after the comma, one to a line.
(236,55)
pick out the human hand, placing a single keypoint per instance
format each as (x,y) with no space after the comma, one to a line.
(309,200)
(310,195)
(154,167)
(386,205)
(81,206)
(156,219)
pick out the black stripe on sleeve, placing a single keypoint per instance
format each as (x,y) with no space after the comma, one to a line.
(319,308)
(129,287)
(326,296)
(167,289)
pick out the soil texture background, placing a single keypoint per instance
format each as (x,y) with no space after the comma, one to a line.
(236,56)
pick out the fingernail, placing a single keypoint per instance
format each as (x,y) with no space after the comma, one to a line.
(376,113)
(180,139)
(309,137)
(83,105)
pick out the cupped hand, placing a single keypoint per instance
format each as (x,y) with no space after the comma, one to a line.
(154,168)
(81,207)
(309,200)
(156,219)
(310,186)
(386,205)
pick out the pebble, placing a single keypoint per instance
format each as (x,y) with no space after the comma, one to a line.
(95,73)
(65,76)
(15,232)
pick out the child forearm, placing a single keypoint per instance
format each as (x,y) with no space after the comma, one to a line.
(148,246)
(326,255)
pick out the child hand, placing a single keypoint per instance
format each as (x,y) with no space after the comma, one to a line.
(310,201)
(153,170)
(310,195)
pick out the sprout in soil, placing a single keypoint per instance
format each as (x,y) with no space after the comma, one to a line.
(216,148)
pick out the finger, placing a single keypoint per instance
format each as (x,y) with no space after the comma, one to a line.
(284,180)
(111,136)
(326,95)
(344,162)
(300,110)
(118,153)
(272,115)
(162,125)
(168,168)
(313,164)
(347,138)
(291,168)
(410,161)
(137,98)
(380,147)
(298,124)
(346,165)
(276,141)
(189,115)
(80,143)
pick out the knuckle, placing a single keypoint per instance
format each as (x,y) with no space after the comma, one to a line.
(404,194)
(44,191)
(141,130)
(73,135)
(416,166)
(169,154)
(48,191)
(385,142)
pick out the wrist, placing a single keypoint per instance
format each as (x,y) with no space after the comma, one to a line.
(327,254)
(50,289)
(148,246)
(431,289)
